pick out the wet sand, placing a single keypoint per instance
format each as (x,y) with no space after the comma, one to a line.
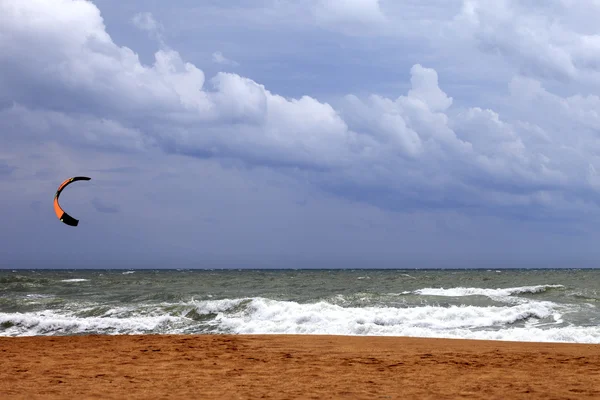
(293,367)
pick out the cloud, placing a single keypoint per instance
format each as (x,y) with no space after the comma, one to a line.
(350,15)
(80,129)
(474,160)
(554,40)
(219,58)
(145,21)
(415,151)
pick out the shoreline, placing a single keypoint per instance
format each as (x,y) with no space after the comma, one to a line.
(293,366)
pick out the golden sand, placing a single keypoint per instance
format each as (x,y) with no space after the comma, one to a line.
(293,367)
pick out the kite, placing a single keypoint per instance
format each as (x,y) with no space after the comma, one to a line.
(60,213)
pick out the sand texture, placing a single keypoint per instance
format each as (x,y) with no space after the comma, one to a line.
(293,367)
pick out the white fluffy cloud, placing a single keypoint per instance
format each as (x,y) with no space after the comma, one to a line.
(418,149)
(557,39)
(145,21)
(219,58)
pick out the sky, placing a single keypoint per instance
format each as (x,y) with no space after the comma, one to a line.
(300,134)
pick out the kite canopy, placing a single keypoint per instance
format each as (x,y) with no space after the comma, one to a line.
(60,213)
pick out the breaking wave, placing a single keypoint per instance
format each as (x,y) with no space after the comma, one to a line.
(530,321)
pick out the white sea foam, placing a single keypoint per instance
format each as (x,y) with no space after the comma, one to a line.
(50,323)
(271,316)
(526,321)
(263,316)
(75,280)
(500,293)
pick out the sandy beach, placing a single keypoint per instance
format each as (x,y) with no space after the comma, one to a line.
(293,366)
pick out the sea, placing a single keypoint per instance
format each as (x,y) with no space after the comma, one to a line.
(560,305)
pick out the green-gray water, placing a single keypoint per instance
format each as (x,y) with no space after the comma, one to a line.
(524,305)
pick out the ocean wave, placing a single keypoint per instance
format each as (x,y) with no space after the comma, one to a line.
(272,316)
(53,323)
(492,293)
(19,282)
(528,321)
